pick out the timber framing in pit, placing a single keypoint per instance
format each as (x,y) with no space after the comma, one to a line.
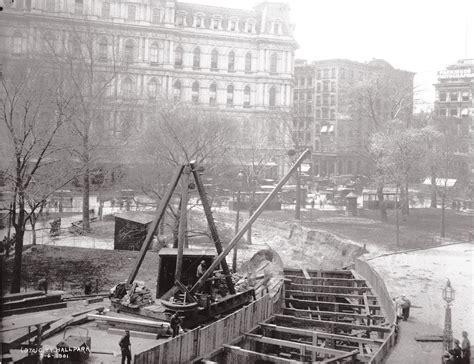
(326,316)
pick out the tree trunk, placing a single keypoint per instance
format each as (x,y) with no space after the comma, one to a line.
(397,220)
(434,203)
(16,276)
(443,201)
(85,200)
(407,196)
(382,207)
(33,230)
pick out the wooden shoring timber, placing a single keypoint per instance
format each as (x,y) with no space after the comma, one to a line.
(321,288)
(332,304)
(248,353)
(343,295)
(294,345)
(317,273)
(12,340)
(323,335)
(352,354)
(332,324)
(346,282)
(332,314)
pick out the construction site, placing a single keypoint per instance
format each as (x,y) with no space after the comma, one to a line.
(261,311)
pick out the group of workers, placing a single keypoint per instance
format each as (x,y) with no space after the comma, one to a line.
(461,352)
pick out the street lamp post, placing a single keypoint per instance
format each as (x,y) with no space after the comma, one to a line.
(240,178)
(448,296)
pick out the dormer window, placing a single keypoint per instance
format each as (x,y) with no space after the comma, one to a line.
(199,21)
(233,25)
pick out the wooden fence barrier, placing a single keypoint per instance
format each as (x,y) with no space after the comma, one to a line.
(200,342)
(378,286)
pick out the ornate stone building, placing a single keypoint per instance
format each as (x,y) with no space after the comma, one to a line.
(236,61)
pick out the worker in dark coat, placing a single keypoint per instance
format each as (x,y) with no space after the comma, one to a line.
(466,348)
(455,354)
(126,348)
(175,324)
(200,270)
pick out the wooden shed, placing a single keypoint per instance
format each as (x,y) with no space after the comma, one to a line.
(130,229)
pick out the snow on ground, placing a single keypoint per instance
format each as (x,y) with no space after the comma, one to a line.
(421,275)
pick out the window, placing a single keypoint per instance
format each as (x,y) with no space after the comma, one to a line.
(231,62)
(75,48)
(214,57)
(325,73)
(318,74)
(325,86)
(131,12)
(442,96)
(129,54)
(333,86)
(316,145)
(156,16)
(309,109)
(180,19)
(103,48)
(249,27)
(325,113)
(215,24)
(105,13)
(453,96)
(248,62)
(325,100)
(127,88)
(195,92)
(295,96)
(442,112)
(310,81)
(333,73)
(152,89)
(154,53)
(50,5)
(272,97)
(318,114)
(178,57)
(465,96)
(196,58)
(177,91)
(333,100)
(247,96)
(465,113)
(342,73)
(17,43)
(302,81)
(453,112)
(78,6)
(318,87)
(273,63)
(199,22)
(230,95)
(276,28)
(333,114)
(212,94)
(318,100)
(233,25)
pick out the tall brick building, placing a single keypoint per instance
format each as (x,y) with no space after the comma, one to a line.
(333,115)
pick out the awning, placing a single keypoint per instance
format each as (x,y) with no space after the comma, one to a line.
(441,182)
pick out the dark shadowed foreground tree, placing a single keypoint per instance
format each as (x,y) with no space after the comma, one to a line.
(34,109)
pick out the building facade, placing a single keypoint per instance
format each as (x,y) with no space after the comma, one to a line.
(454,106)
(338,104)
(239,62)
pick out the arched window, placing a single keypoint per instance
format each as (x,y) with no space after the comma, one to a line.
(154,53)
(272,97)
(230,95)
(17,43)
(78,6)
(214,58)
(248,62)
(231,62)
(177,91)
(276,28)
(131,12)
(196,58)
(178,57)
(105,13)
(247,96)
(273,63)
(49,42)
(127,88)
(156,16)
(75,47)
(195,92)
(212,94)
(103,47)
(129,52)
(152,89)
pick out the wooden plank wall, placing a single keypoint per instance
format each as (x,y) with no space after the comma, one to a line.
(201,342)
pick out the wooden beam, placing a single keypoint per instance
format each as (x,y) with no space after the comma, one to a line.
(287,271)
(343,295)
(293,344)
(160,211)
(329,279)
(183,225)
(331,313)
(306,274)
(247,353)
(320,334)
(310,302)
(325,323)
(321,287)
(352,354)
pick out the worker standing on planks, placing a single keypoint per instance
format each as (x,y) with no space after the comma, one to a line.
(126,348)
(175,323)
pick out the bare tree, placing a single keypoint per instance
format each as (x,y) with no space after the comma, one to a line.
(34,109)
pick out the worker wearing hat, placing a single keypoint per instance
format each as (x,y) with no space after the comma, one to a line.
(200,270)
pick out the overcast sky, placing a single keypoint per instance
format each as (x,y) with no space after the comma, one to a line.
(421,36)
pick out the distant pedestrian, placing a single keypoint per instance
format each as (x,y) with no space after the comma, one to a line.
(465,348)
(455,354)
(175,324)
(312,204)
(321,203)
(404,303)
(126,348)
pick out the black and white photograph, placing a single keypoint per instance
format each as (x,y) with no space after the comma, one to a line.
(226,182)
